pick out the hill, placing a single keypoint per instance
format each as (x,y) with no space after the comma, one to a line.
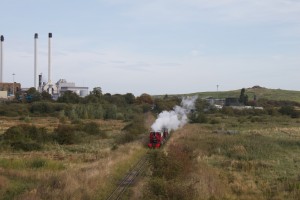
(260,92)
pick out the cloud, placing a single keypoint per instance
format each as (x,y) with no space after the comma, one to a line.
(228,11)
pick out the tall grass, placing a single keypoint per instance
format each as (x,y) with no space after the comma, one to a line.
(243,159)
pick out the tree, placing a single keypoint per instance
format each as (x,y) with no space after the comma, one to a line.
(97,91)
(144,98)
(33,95)
(46,96)
(129,98)
(69,97)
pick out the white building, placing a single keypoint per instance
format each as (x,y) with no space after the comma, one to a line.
(62,86)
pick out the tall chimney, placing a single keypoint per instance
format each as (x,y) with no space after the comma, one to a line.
(1,58)
(40,81)
(35,59)
(49,58)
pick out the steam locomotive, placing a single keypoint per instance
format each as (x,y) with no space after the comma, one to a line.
(157,138)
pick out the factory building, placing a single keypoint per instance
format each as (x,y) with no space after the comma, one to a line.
(9,89)
(63,86)
(54,89)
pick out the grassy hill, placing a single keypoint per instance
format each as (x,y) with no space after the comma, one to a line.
(260,92)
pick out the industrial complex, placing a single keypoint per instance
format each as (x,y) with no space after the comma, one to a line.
(8,90)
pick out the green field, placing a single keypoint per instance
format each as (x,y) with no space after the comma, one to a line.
(230,159)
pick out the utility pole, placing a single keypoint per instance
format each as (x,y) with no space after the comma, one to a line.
(13,84)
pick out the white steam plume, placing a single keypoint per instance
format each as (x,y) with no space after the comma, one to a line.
(176,118)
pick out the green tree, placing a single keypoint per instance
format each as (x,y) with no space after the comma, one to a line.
(69,97)
(129,98)
(46,96)
(33,95)
(97,91)
(144,98)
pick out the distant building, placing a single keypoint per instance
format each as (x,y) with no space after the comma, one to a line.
(232,101)
(3,94)
(63,86)
(10,88)
(212,101)
(59,88)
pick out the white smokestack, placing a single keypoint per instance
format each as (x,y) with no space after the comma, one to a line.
(35,59)
(176,118)
(1,58)
(49,57)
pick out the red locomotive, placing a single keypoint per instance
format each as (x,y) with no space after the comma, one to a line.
(157,138)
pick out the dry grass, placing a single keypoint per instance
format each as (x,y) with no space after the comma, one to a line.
(88,179)
(83,171)
(48,122)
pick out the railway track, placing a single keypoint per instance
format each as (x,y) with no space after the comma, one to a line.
(128,179)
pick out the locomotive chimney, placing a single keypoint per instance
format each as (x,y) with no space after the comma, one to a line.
(35,59)
(1,58)
(49,57)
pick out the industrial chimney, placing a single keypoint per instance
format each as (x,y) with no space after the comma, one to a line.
(35,59)
(1,58)
(49,57)
(40,81)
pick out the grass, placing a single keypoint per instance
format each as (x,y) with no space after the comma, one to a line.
(260,161)
(86,170)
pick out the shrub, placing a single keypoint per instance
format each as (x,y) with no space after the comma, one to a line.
(91,128)
(110,112)
(289,110)
(114,147)
(120,116)
(214,121)
(125,138)
(37,163)
(136,126)
(25,133)
(157,187)
(26,146)
(198,118)
(65,134)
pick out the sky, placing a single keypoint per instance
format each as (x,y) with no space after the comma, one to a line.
(155,46)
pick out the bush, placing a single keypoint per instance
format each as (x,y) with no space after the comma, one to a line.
(91,128)
(198,118)
(26,146)
(65,134)
(289,110)
(13,109)
(120,116)
(157,187)
(114,147)
(125,138)
(43,107)
(26,133)
(136,126)
(214,121)
(38,163)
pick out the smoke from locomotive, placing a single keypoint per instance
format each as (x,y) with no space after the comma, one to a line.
(172,120)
